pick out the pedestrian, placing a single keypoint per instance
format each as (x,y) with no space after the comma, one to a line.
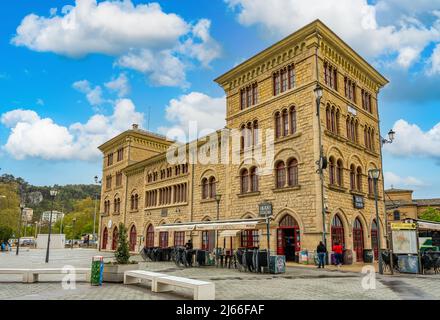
(322,251)
(189,245)
(337,250)
(3,246)
(9,246)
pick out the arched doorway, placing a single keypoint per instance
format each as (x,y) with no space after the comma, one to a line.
(288,238)
(337,231)
(208,238)
(115,238)
(149,239)
(104,239)
(374,240)
(358,240)
(132,238)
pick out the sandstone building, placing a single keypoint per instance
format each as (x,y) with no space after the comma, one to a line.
(272,92)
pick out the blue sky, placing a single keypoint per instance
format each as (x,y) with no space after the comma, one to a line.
(72,77)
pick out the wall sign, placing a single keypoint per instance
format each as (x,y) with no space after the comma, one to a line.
(358,202)
(164,212)
(352,110)
(265,209)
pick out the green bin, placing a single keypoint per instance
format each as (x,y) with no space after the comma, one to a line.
(277,264)
(97,270)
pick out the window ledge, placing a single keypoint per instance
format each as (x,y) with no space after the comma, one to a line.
(357,193)
(354,145)
(108,189)
(288,137)
(337,188)
(116,213)
(249,194)
(118,187)
(334,135)
(209,200)
(163,206)
(134,211)
(286,189)
(374,154)
(371,197)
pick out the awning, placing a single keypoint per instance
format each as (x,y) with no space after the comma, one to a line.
(176,227)
(428,225)
(227,226)
(231,225)
(229,233)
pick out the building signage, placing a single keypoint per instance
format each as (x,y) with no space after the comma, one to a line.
(403,226)
(265,209)
(352,110)
(358,202)
(109,224)
(164,212)
(436,238)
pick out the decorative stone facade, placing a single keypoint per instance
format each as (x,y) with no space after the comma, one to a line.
(308,50)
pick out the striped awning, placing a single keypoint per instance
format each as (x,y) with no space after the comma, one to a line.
(230,225)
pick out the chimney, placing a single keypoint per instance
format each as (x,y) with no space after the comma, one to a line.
(135,126)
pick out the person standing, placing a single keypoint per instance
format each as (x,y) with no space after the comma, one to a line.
(337,249)
(322,251)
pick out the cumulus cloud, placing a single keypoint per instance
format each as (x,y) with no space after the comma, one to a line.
(32,136)
(434,61)
(396,181)
(354,20)
(194,109)
(412,141)
(120,85)
(93,94)
(122,29)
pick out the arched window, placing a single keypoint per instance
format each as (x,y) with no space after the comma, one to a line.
(292,172)
(132,238)
(149,239)
(204,188)
(332,170)
(359,179)
(253,179)
(136,201)
(212,187)
(333,117)
(285,123)
(337,121)
(179,238)
(352,177)
(244,181)
(292,114)
(356,129)
(277,125)
(337,231)
(255,133)
(104,239)
(339,173)
(280,175)
(328,118)
(248,140)
(132,202)
(370,186)
(115,236)
(358,240)
(348,128)
(163,239)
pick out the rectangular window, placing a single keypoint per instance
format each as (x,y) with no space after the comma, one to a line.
(120,154)
(248,97)
(291,77)
(110,159)
(249,238)
(179,238)
(255,94)
(163,239)
(243,98)
(118,179)
(283,80)
(108,182)
(276,83)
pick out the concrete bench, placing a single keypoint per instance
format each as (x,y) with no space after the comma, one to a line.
(23,272)
(203,290)
(136,276)
(33,274)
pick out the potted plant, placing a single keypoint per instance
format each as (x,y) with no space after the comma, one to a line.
(114,271)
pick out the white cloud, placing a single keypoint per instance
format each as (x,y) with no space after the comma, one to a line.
(33,136)
(207,112)
(122,29)
(411,141)
(93,94)
(120,85)
(434,61)
(40,102)
(396,181)
(354,20)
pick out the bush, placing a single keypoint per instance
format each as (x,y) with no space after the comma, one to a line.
(5,233)
(122,253)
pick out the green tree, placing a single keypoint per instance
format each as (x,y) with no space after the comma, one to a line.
(431,214)
(5,233)
(122,253)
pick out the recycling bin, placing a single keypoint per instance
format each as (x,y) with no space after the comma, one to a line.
(97,270)
(368,255)
(277,264)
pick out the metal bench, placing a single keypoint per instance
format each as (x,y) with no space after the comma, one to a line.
(203,290)
(23,272)
(136,276)
(33,274)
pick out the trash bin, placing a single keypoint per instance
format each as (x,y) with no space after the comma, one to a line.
(277,264)
(368,255)
(97,270)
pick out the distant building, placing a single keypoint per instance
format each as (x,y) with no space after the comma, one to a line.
(56,215)
(400,204)
(28,214)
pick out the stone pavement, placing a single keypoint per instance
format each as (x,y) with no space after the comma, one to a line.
(298,282)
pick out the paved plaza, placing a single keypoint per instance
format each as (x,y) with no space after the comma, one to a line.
(297,283)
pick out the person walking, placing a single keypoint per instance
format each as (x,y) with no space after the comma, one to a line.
(337,249)
(322,251)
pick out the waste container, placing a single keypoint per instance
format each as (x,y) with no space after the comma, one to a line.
(97,270)
(348,256)
(368,255)
(277,264)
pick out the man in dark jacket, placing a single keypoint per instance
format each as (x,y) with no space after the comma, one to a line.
(321,250)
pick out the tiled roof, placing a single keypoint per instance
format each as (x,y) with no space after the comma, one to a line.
(398,190)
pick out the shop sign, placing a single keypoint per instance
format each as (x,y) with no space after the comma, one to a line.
(403,226)
(265,209)
(358,202)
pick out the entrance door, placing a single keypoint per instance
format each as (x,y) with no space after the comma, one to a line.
(374,241)
(358,240)
(115,239)
(104,239)
(132,238)
(288,238)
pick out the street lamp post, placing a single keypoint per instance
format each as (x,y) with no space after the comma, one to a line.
(19,228)
(73,232)
(374,174)
(96,202)
(217,199)
(322,162)
(53,194)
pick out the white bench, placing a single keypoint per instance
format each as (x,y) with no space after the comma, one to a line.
(23,272)
(203,290)
(33,274)
(136,276)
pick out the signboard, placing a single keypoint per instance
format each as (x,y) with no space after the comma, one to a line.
(408,264)
(403,226)
(164,212)
(404,241)
(358,202)
(352,110)
(265,209)
(436,238)
(109,224)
